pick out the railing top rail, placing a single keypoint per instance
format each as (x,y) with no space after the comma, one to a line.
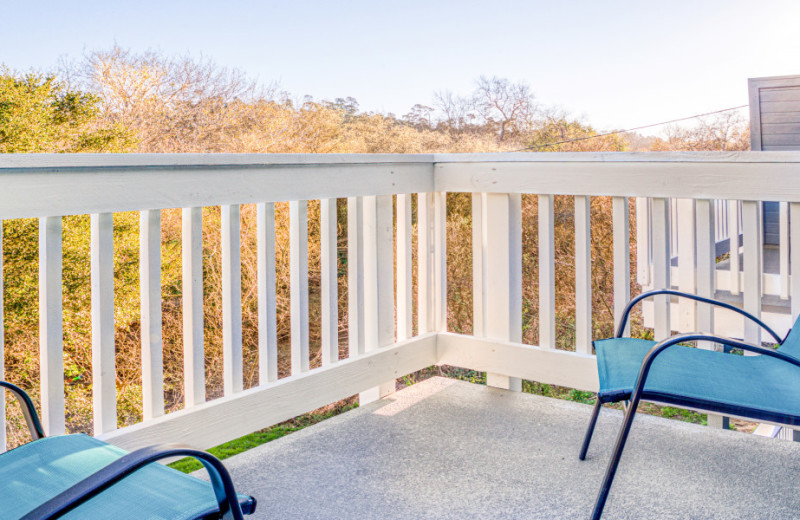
(621,157)
(770,176)
(35,185)
(104,161)
(60,184)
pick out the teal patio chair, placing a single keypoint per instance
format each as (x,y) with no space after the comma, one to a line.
(80,477)
(765,387)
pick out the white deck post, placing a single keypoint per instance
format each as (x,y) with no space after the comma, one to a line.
(150,311)
(479,273)
(583,275)
(51,326)
(329,281)
(104,377)
(503,246)
(547,270)
(355,276)
(298,276)
(687,255)
(194,371)
(661,266)
(706,262)
(440,260)
(706,278)
(622,258)
(267,312)
(425,263)
(643,241)
(404,268)
(752,240)
(733,233)
(231,300)
(379,284)
(794,216)
(783,250)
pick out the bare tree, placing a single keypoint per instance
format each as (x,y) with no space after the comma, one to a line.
(420,117)
(727,131)
(457,113)
(177,104)
(508,107)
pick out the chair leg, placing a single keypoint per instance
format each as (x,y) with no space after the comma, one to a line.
(602,496)
(590,430)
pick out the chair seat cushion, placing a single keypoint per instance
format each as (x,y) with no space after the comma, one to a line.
(759,387)
(36,472)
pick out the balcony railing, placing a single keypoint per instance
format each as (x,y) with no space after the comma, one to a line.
(397,308)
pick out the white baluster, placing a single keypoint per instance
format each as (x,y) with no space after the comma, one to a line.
(267,312)
(150,289)
(329,281)
(51,328)
(355,276)
(231,299)
(298,274)
(622,258)
(753,272)
(687,278)
(733,233)
(583,275)
(193,349)
(425,263)
(661,266)
(404,273)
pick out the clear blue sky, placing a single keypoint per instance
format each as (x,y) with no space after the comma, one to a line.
(618,63)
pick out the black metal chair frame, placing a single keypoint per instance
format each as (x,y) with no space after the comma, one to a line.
(639,393)
(228,506)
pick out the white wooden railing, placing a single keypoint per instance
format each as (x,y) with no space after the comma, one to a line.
(772,264)
(381,338)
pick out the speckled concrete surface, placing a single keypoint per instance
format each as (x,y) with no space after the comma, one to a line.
(445,449)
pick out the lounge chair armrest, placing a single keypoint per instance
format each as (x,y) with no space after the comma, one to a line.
(624,319)
(128,464)
(28,409)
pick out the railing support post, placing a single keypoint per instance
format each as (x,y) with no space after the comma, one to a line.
(379,324)
(706,280)
(501,274)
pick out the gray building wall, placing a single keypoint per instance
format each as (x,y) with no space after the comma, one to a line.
(774,126)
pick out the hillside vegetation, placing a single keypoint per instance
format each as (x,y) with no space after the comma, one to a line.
(119,101)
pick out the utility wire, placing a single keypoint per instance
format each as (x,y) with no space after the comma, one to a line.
(537,147)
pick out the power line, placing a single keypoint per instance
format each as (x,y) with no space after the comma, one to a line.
(537,147)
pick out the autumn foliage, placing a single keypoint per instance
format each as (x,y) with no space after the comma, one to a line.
(120,101)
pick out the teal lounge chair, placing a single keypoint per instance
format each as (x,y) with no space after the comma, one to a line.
(765,387)
(80,477)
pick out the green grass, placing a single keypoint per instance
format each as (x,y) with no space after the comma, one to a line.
(556,392)
(236,446)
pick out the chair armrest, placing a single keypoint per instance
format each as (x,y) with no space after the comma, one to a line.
(624,319)
(28,409)
(661,346)
(124,466)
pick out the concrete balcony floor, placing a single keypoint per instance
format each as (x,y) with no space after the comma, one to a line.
(446,449)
